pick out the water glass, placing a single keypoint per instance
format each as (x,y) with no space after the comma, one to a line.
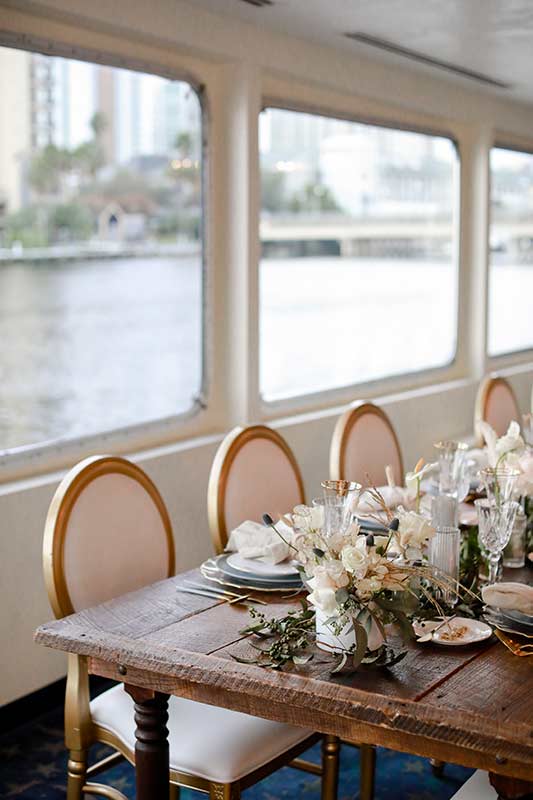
(444,555)
(340,498)
(495,524)
(499,483)
(454,477)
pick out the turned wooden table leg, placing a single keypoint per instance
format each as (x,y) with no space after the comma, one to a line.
(511,788)
(151,746)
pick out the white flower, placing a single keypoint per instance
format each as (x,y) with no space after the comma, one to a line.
(414,530)
(335,571)
(524,484)
(323,594)
(512,442)
(412,479)
(308,518)
(355,559)
(499,450)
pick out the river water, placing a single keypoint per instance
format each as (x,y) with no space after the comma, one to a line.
(91,346)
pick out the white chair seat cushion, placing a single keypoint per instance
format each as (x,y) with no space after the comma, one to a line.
(206,741)
(477,787)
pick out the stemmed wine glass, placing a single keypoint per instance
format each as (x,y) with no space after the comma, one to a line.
(495,524)
(499,483)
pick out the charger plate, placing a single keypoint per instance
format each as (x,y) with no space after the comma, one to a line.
(210,569)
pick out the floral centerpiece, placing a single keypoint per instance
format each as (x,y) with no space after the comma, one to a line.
(357,584)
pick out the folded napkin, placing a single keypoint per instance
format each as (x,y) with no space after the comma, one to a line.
(510,596)
(253,540)
(393,496)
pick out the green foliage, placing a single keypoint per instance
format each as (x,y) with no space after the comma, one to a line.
(26,227)
(47,168)
(313,197)
(70,221)
(291,636)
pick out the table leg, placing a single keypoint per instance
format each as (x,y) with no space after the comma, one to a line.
(511,788)
(151,746)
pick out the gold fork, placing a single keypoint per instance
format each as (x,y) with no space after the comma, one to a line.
(515,648)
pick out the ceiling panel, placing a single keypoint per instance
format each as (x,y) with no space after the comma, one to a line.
(492,37)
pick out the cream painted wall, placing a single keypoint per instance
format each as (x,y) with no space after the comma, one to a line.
(239,65)
(181,473)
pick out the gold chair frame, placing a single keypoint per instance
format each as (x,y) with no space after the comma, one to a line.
(341,433)
(486,386)
(80,730)
(218,479)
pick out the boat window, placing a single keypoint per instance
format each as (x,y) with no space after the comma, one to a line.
(100,248)
(511,251)
(358,273)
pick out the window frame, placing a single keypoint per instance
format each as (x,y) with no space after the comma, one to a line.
(524,354)
(51,454)
(455,368)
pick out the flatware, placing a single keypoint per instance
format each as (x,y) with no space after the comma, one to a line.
(222,591)
(215,595)
(515,648)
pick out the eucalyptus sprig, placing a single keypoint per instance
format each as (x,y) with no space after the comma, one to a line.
(291,635)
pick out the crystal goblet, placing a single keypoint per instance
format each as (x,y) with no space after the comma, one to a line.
(495,524)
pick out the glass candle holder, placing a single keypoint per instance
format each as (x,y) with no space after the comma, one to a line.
(453,478)
(514,555)
(340,498)
(444,555)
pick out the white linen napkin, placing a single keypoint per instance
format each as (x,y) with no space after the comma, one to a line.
(393,496)
(511,596)
(253,540)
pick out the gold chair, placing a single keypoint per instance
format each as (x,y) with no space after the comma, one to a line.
(255,471)
(496,404)
(364,442)
(108,532)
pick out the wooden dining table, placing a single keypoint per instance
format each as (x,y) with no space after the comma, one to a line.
(467,705)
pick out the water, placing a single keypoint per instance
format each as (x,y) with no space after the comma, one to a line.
(92,346)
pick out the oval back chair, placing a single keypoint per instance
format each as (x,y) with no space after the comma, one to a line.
(496,404)
(254,472)
(364,442)
(108,532)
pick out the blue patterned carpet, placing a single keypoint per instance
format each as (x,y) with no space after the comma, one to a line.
(33,764)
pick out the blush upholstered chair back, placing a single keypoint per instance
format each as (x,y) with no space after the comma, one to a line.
(496,404)
(254,472)
(364,443)
(107,532)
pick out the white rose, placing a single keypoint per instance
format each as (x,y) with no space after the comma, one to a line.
(414,530)
(355,560)
(334,570)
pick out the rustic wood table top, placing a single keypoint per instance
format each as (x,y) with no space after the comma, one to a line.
(469,705)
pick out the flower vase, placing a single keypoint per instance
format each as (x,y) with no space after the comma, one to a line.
(331,642)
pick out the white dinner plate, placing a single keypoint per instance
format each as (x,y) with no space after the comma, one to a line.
(476,631)
(257,567)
